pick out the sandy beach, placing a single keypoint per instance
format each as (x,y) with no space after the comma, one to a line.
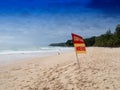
(99,70)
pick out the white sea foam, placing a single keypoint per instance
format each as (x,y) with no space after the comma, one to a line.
(10,56)
(39,50)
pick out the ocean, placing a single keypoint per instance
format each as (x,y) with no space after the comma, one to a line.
(12,55)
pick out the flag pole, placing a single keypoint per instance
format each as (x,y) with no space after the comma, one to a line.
(77,60)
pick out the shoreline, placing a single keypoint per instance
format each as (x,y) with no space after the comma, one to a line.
(99,70)
(16,56)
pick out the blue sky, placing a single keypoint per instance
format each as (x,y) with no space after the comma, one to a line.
(37,23)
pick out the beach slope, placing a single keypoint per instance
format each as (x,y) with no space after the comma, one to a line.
(99,70)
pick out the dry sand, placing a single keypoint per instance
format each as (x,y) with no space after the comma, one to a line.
(99,70)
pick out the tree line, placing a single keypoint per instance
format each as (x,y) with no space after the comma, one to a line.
(105,40)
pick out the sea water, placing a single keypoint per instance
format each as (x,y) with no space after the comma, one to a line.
(13,55)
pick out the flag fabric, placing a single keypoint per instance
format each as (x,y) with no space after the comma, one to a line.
(79,44)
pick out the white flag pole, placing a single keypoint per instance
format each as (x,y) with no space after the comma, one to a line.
(77,59)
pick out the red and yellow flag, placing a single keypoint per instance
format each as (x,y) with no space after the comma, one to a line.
(79,44)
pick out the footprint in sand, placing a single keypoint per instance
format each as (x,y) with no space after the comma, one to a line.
(15,78)
(46,88)
(15,69)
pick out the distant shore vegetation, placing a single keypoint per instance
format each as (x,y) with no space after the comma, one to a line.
(105,40)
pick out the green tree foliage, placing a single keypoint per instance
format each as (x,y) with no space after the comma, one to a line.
(58,44)
(117,31)
(90,41)
(117,35)
(104,40)
(109,39)
(69,43)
